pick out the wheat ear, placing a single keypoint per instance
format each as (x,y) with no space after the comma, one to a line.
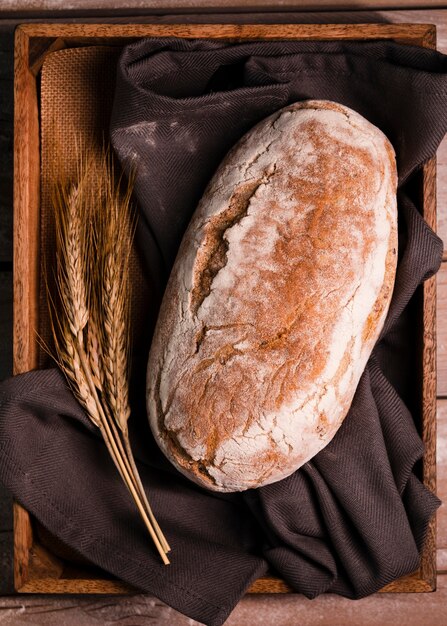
(80,330)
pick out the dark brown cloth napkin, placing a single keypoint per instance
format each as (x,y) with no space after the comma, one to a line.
(353,518)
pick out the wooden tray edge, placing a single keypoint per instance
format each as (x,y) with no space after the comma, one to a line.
(26,253)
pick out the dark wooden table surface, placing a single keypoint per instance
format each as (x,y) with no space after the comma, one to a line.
(280,610)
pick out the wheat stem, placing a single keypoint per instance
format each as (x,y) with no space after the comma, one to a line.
(109,439)
(162,538)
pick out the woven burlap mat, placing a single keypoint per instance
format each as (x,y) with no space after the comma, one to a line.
(77,89)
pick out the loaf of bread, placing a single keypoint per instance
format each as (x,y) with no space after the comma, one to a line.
(278,294)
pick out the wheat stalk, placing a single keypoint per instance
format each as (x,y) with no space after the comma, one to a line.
(114,239)
(94,232)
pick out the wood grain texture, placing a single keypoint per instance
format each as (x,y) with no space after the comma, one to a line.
(23,541)
(26,265)
(441,181)
(87,34)
(419,582)
(26,211)
(442,329)
(428,562)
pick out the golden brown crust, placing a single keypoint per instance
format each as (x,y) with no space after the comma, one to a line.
(279,292)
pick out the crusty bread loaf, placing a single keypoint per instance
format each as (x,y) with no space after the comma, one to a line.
(278,294)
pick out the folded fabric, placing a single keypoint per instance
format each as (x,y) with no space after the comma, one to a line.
(354,517)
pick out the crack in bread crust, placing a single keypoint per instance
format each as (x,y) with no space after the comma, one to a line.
(212,255)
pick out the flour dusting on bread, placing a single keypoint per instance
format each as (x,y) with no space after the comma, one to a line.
(279,292)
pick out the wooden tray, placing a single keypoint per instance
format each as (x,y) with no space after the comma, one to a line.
(36,568)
